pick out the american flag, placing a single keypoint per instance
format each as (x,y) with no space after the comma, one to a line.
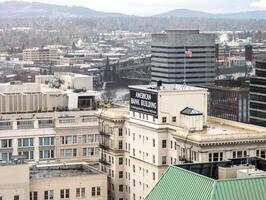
(188,53)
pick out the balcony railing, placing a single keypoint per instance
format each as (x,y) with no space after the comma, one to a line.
(104,134)
(104,146)
(104,161)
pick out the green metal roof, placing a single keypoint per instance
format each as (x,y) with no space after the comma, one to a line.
(181,184)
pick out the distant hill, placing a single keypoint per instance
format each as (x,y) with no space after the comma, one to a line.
(259,14)
(184,13)
(21,9)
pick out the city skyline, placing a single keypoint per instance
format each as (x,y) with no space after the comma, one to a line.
(149,7)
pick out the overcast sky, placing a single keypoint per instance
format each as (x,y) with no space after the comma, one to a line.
(150,7)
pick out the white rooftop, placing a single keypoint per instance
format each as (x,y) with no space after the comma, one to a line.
(168,87)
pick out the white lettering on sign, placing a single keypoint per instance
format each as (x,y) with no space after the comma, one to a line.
(135,101)
(143,96)
(149,104)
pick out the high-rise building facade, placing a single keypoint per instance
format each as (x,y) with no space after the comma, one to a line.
(230,103)
(167,124)
(180,56)
(258,95)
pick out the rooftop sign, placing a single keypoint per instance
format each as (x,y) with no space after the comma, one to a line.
(144,102)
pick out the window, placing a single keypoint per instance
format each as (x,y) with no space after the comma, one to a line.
(221,156)
(121,188)
(27,154)
(173,119)
(163,143)
(120,132)
(215,157)
(64,194)
(47,154)
(48,195)
(120,174)
(1,198)
(134,182)
(153,176)
(68,153)
(46,141)
(134,153)
(153,158)
(68,139)
(98,191)
(239,154)
(153,142)
(88,138)
(80,192)
(120,161)
(16,197)
(88,151)
(164,160)
(6,156)
(171,144)
(262,154)
(164,119)
(258,153)
(120,144)
(33,196)
(25,142)
(93,191)
(134,168)
(6,143)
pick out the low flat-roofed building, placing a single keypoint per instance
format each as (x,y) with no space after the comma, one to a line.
(52,181)
(202,181)
(15,182)
(66,91)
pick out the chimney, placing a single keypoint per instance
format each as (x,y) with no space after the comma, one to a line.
(159,84)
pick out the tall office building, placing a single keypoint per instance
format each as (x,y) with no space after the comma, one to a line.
(171,64)
(258,95)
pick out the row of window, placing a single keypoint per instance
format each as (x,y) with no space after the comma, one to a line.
(65,193)
(219,156)
(73,152)
(73,139)
(50,153)
(16,197)
(27,142)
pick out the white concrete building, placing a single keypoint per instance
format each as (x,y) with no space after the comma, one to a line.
(52,182)
(51,120)
(49,137)
(167,125)
(63,91)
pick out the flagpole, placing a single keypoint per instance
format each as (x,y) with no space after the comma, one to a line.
(185,63)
